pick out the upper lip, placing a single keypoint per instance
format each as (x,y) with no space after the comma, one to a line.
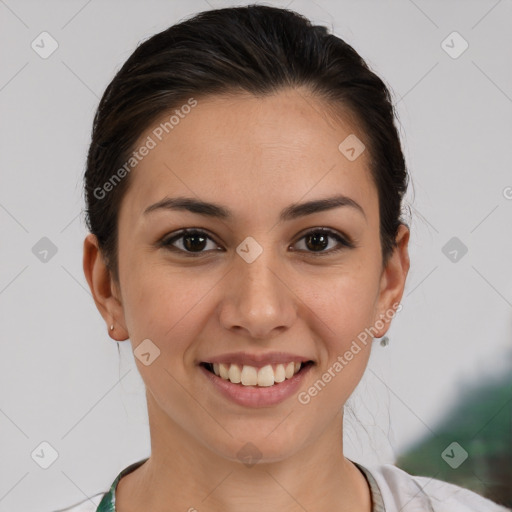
(257,360)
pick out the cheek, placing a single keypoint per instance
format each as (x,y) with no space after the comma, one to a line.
(168,308)
(343,315)
(343,301)
(166,305)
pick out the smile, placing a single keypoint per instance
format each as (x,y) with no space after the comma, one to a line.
(247,375)
(271,392)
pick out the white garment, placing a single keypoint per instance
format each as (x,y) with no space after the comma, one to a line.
(397,492)
(402,492)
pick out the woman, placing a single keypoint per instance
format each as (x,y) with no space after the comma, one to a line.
(244,186)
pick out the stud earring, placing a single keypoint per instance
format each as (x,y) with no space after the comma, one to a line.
(112,327)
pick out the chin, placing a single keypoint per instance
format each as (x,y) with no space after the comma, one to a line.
(260,448)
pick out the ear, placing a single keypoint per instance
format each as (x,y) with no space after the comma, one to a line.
(103,288)
(392,282)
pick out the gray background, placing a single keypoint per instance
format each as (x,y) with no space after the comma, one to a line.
(62,380)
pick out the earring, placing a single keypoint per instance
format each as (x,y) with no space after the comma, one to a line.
(384,342)
(112,327)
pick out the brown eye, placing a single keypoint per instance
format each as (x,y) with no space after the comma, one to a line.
(189,242)
(318,240)
(194,242)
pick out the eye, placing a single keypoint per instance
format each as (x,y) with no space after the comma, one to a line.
(317,240)
(192,242)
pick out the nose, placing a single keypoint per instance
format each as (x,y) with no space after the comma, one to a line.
(258,300)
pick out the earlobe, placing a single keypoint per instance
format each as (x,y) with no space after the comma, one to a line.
(102,286)
(393,281)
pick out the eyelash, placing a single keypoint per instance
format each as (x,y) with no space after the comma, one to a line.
(344,243)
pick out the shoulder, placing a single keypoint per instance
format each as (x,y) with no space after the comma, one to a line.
(89,505)
(402,491)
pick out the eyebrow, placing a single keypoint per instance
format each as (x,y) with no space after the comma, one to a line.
(291,212)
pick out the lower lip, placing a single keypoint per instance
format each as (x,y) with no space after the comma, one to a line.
(256,396)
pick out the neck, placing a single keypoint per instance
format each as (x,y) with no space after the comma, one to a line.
(183,474)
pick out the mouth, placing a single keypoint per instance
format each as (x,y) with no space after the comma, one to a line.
(270,375)
(257,386)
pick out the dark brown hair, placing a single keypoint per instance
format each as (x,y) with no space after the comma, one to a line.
(256,49)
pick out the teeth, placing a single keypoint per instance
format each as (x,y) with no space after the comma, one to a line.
(248,376)
(251,376)
(234,374)
(279,373)
(265,376)
(289,370)
(222,371)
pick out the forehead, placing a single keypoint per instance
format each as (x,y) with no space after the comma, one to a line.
(250,152)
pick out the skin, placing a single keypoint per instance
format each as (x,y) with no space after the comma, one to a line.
(254,156)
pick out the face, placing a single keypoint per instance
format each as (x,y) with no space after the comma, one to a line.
(254,282)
